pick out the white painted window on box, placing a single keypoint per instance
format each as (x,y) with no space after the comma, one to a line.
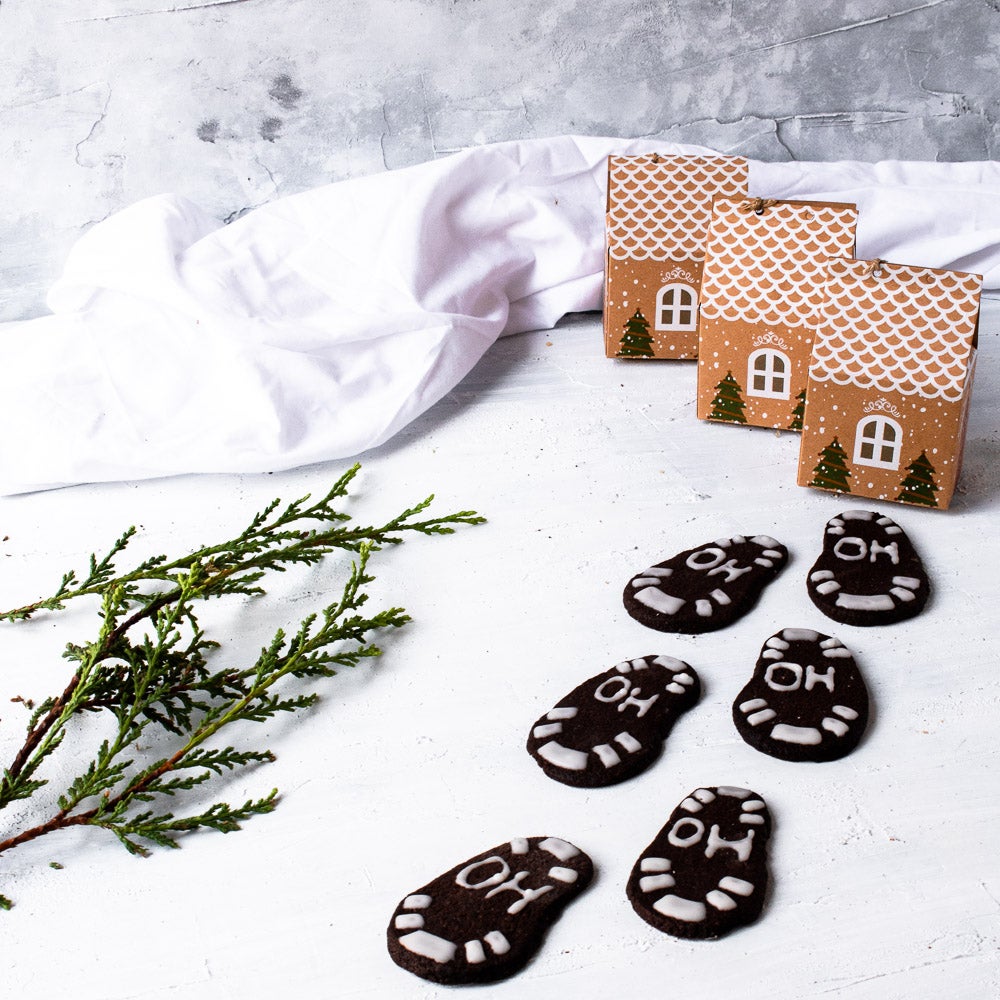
(877,442)
(676,307)
(767,374)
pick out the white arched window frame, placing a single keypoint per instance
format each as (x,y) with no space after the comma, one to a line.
(676,307)
(768,374)
(877,442)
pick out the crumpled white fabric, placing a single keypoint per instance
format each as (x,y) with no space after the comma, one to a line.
(317,326)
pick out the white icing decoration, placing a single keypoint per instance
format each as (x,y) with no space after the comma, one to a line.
(766,715)
(752,705)
(474,953)
(703,608)
(732,569)
(891,550)
(766,563)
(607,754)
(751,818)
(814,677)
(409,921)
(418,901)
(629,742)
(640,664)
(845,713)
(753,805)
(519,845)
(676,838)
(772,654)
(835,726)
(685,679)
(670,662)
(640,704)
(776,643)
(653,883)
(738,885)
(561,849)
(830,643)
(903,595)
(894,530)
(704,795)
(645,581)
(767,541)
(858,548)
(438,949)
(772,553)
(563,874)
(661,572)
(716,843)
(857,515)
(734,793)
(564,757)
(830,587)
(906,581)
(865,602)
(624,667)
(800,634)
(720,900)
(821,574)
(660,601)
(697,559)
(527,894)
(562,713)
(618,688)
(463,877)
(655,864)
(836,529)
(720,597)
(838,652)
(692,805)
(679,908)
(777,685)
(540,732)
(802,735)
(675,688)
(497,942)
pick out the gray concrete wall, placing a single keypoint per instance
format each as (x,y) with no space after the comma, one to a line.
(236,102)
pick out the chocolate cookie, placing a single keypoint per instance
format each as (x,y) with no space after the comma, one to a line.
(868,573)
(806,700)
(612,726)
(705,873)
(706,588)
(484,919)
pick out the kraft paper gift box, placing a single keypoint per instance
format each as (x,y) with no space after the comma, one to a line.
(658,211)
(890,382)
(762,286)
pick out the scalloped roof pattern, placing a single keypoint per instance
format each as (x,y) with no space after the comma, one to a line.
(659,207)
(911,330)
(769,268)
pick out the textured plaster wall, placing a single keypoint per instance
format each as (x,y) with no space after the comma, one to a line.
(236,102)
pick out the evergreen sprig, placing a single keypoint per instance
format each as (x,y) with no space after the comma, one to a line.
(151,667)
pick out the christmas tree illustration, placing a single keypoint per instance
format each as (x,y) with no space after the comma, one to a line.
(799,412)
(636,341)
(919,486)
(728,402)
(832,473)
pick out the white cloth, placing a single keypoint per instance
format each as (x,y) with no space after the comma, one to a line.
(317,326)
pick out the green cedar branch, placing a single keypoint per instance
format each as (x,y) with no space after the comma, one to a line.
(150,667)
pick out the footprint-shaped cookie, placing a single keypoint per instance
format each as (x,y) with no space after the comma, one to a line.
(705,873)
(806,700)
(868,573)
(612,726)
(706,588)
(484,919)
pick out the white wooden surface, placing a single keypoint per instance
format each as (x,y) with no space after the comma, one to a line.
(886,879)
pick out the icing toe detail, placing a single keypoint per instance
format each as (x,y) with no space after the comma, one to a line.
(717,867)
(613,725)
(706,588)
(868,572)
(485,918)
(812,704)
